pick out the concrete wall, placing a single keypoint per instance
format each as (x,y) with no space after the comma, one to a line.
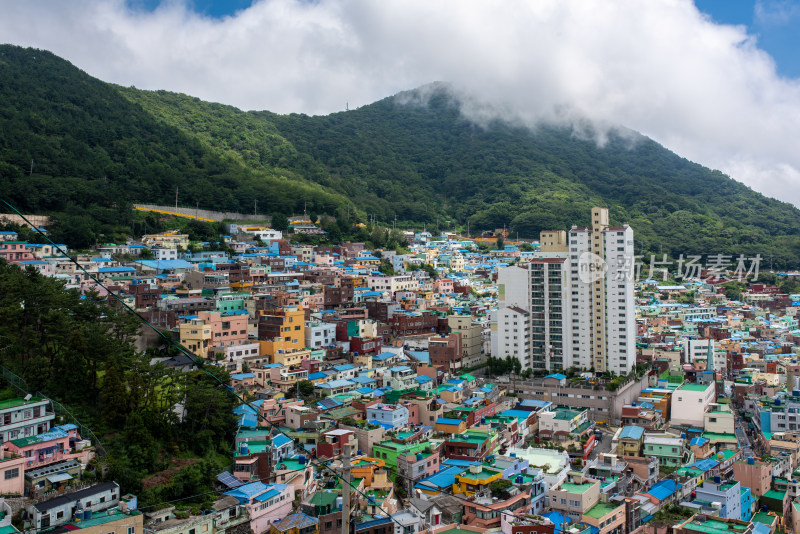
(208,214)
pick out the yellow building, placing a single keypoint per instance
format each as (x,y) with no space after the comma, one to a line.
(450,426)
(282,333)
(196,336)
(167,240)
(290,359)
(364,360)
(475,479)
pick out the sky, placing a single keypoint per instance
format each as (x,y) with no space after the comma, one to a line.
(716,81)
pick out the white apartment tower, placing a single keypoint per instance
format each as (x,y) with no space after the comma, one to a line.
(602,305)
(578,297)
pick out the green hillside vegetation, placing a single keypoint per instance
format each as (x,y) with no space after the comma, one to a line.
(80,351)
(92,152)
(97,147)
(419,159)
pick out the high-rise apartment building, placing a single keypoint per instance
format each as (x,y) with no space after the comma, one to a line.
(578,297)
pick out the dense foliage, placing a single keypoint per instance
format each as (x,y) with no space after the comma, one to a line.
(80,351)
(84,150)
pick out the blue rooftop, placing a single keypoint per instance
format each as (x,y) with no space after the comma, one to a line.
(631,432)
(242,376)
(664,489)
(248,491)
(336,384)
(166,265)
(705,465)
(443,479)
(557,376)
(446,421)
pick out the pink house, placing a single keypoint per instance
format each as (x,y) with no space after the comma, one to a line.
(274,411)
(443,286)
(265,503)
(12,472)
(226,330)
(58,444)
(15,251)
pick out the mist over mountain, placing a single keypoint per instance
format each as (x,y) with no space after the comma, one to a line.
(84,149)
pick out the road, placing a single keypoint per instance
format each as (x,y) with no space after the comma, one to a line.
(743,440)
(604,445)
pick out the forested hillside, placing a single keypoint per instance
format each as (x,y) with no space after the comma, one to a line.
(76,349)
(94,148)
(74,146)
(411,159)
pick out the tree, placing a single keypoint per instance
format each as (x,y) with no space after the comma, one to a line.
(500,243)
(499,488)
(280,222)
(305,388)
(114,395)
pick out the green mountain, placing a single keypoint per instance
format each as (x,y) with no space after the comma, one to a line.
(97,147)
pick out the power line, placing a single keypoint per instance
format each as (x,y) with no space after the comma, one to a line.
(200,365)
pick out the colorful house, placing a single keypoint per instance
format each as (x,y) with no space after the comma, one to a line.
(265,503)
(55,445)
(475,479)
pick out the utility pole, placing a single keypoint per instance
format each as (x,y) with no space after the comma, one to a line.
(346,488)
(176,197)
(31,173)
(255,206)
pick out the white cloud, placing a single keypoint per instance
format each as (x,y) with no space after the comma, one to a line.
(659,67)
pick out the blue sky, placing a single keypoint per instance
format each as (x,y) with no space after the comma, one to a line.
(212,8)
(775,24)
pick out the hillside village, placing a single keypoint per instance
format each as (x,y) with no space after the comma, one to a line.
(451,387)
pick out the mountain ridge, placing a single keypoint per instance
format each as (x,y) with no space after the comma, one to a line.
(97,147)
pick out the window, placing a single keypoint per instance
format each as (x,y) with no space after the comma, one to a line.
(131,530)
(11,474)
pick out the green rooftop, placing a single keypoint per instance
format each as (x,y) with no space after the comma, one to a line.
(775,494)
(108,516)
(764,518)
(254,447)
(13,403)
(323,498)
(713,525)
(718,436)
(693,387)
(599,510)
(565,414)
(575,488)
